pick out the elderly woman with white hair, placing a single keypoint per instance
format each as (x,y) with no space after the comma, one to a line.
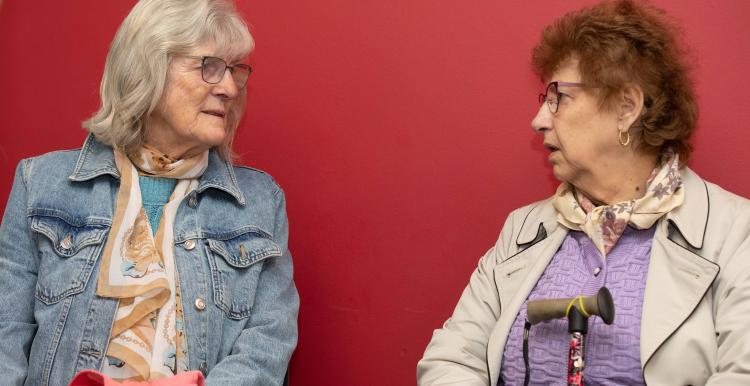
(146,254)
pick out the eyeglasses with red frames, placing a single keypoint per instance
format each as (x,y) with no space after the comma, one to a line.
(553,97)
(213,69)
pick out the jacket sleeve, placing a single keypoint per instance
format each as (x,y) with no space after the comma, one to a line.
(18,273)
(457,353)
(732,306)
(266,344)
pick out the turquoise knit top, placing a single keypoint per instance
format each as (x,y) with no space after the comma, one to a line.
(155,193)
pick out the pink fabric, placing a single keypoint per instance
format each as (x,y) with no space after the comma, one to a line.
(95,378)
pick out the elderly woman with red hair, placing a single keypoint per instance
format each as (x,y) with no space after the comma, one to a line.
(616,117)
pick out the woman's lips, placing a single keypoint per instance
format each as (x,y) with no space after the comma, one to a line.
(215,113)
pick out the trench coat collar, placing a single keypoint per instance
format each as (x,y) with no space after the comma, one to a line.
(539,222)
(691,218)
(97,159)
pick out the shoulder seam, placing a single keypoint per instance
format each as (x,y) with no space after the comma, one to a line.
(262,172)
(250,168)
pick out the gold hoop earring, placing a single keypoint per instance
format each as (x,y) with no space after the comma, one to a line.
(625,142)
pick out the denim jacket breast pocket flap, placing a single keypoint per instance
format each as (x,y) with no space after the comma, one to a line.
(245,249)
(236,264)
(68,251)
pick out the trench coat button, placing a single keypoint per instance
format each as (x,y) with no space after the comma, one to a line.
(67,242)
(597,271)
(203,368)
(200,304)
(192,201)
(190,244)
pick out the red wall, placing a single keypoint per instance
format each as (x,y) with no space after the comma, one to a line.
(399,130)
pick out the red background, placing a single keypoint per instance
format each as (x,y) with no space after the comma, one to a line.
(399,131)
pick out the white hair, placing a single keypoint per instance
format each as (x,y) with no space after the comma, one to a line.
(138,60)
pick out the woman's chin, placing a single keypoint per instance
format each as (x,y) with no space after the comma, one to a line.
(562,174)
(213,137)
(558,173)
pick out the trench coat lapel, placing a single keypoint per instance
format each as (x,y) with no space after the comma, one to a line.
(514,279)
(678,277)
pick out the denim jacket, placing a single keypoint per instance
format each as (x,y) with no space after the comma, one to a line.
(240,304)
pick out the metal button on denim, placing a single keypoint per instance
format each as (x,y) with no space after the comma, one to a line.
(200,304)
(192,201)
(190,244)
(67,242)
(203,368)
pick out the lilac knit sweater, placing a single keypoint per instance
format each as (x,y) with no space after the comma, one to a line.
(612,352)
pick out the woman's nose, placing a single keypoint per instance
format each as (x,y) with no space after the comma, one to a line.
(542,119)
(227,87)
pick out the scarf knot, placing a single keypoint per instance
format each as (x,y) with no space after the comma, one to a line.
(605,224)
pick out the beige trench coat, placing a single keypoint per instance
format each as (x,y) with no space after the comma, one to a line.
(695,327)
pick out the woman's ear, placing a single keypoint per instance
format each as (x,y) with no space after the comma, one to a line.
(630,106)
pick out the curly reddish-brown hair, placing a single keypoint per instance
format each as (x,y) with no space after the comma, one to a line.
(625,42)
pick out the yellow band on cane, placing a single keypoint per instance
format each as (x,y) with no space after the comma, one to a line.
(580,308)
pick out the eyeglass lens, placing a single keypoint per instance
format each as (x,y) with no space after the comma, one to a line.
(213,71)
(550,97)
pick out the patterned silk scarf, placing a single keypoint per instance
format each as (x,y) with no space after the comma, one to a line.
(147,340)
(605,224)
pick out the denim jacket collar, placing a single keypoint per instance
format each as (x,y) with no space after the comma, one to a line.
(97,159)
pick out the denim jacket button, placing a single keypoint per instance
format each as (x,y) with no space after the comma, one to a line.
(190,244)
(192,201)
(67,242)
(203,368)
(200,304)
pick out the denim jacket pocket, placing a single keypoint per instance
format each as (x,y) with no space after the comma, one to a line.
(236,264)
(67,254)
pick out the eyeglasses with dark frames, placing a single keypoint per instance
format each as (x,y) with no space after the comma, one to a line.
(553,97)
(213,69)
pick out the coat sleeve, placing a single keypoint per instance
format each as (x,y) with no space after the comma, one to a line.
(732,305)
(457,353)
(261,354)
(18,273)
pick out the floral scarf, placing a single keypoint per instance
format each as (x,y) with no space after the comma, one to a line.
(147,339)
(605,224)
